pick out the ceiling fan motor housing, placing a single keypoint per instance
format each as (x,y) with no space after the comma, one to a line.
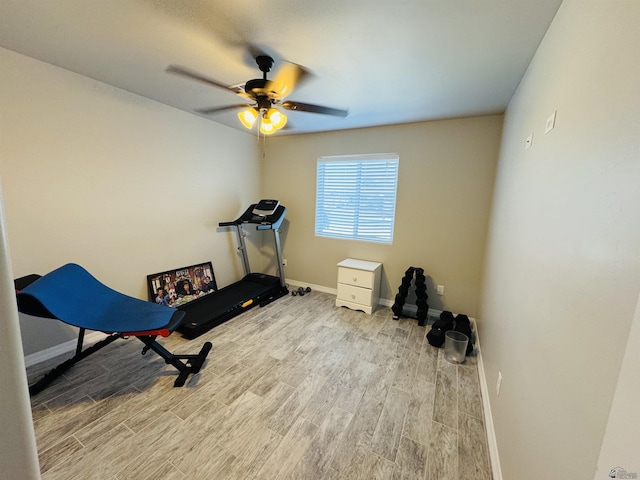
(264,102)
(255,86)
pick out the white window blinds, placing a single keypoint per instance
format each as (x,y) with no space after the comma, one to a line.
(356,197)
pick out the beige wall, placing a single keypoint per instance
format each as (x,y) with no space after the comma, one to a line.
(621,442)
(445,185)
(562,272)
(118,183)
(18,452)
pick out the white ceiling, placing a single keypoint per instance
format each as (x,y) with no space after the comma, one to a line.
(386,61)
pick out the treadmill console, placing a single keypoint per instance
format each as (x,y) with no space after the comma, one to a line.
(265,207)
(266,215)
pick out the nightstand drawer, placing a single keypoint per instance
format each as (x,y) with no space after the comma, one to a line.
(360,278)
(349,293)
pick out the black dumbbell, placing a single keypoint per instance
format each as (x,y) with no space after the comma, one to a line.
(442,325)
(301,291)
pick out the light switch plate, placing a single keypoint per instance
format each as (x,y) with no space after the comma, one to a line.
(551,122)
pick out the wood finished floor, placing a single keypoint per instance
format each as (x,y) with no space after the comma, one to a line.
(298,389)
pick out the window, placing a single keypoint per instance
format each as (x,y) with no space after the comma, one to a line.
(356,197)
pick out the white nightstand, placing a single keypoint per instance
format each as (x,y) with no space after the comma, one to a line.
(359,284)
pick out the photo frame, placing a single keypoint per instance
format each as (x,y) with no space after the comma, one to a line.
(178,287)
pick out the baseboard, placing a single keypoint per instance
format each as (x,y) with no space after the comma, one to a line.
(388,303)
(488,417)
(317,288)
(66,347)
(411,309)
(385,302)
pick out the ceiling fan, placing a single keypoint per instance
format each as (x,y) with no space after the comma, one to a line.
(265,94)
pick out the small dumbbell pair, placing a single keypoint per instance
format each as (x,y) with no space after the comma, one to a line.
(301,291)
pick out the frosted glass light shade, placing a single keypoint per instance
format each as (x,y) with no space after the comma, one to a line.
(248,117)
(277,118)
(266,126)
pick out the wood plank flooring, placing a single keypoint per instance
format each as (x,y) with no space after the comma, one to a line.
(298,389)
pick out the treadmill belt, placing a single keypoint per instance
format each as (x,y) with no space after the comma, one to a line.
(212,310)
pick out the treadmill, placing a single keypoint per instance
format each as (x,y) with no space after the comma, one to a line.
(254,289)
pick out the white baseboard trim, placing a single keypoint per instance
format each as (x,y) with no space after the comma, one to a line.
(52,352)
(488,417)
(318,288)
(410,308)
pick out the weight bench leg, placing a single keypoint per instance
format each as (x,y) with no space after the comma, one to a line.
(66,365)
(191,365)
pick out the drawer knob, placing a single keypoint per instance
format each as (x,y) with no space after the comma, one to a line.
(355,279)
(353,296)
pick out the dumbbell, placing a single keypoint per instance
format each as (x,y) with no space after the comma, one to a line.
(442,325)
(463,325)
(301,291)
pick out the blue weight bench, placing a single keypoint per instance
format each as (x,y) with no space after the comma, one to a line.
(72,295)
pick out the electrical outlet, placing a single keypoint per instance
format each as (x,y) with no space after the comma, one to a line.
(284,262)
(499,384)
(440,289)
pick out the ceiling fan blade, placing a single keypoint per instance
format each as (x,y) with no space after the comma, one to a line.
(289,75)
(308,107)
(209,111)
(185,72)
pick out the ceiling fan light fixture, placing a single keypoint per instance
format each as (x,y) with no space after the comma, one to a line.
(277,118)
(266,94)
(266,126)
(248,117)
